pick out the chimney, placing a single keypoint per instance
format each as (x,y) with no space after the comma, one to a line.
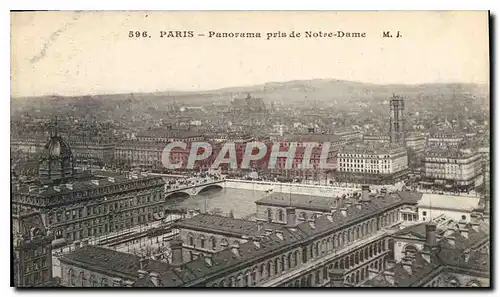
(475,222)
(269,232)
(343,211)
(235,249)
(69,186)
(426,254)
(57,189)
(291,217)
(176,248)
(111,179)
(389,276)
(279,233)
(347,203)
(95,182)
(464,232)
(329,216)
(312,223)
(467,255)
(155,278)
(141,273)
(462,224)
(430,234)
(336,278)
(451,240)
(407,265)
(208,260)
(365,192)
(117,282)
(32,188)
(358,205)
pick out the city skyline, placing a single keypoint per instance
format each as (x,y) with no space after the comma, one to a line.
(72,51)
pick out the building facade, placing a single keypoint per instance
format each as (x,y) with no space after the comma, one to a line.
(32,250)
(452,169)
(372,164)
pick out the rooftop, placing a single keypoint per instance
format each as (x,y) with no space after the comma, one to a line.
(84,182)
(449,254)
(372,148)
(322,203)
(451,202)
(111,261)
(221,224)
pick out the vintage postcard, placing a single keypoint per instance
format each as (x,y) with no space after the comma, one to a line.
(250,149)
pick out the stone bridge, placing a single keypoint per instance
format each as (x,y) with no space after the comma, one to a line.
(192,189)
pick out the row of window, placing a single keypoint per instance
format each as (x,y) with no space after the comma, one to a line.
(35,265)
(281,264)
(103,229)
(85,281)
(35,252)
(103,208)
(36,278)
(202,242)
(363,161)
(355,278)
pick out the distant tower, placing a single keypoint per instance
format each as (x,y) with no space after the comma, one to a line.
(396,128)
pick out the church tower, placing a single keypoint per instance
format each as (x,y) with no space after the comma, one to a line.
(396,128)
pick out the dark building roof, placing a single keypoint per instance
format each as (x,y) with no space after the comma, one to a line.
(225,225)
(324,203)
(458,254)
(109,261)
(81,183)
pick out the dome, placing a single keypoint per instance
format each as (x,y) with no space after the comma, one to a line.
(57,148)
(56,162)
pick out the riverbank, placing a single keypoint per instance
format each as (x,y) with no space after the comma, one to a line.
(300,188)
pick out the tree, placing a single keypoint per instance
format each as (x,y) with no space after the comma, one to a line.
(231,214)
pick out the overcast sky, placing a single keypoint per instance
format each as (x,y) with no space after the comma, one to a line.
(70,53)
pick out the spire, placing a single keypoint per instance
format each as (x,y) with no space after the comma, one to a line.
(55,128)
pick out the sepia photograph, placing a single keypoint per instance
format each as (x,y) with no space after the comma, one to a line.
(250,149)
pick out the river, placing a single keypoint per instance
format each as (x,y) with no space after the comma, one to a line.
(240,202)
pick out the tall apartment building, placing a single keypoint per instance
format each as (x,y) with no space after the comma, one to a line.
(385,164)
(452,169)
